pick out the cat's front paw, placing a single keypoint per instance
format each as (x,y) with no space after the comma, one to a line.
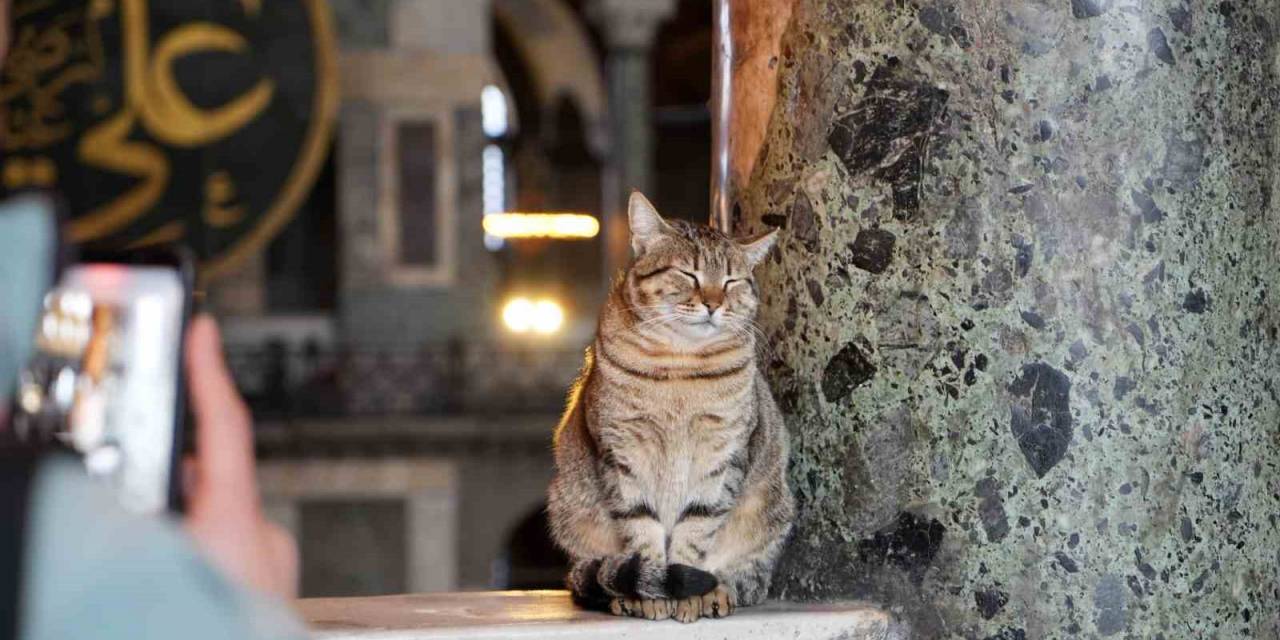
(688,610)
(718,603)
(642,608)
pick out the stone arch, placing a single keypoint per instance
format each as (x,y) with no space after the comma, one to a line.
(561,61)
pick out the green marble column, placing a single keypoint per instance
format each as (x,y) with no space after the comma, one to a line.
(629,28)
(1022,319)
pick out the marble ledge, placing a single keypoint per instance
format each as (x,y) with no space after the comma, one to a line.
(525,615)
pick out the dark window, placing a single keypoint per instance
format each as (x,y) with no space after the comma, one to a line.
(352,548)
(301,262)
(416,161)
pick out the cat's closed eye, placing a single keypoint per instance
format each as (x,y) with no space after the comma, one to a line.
(691,276)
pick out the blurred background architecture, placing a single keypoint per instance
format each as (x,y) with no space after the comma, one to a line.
(1018,322)
(406,367)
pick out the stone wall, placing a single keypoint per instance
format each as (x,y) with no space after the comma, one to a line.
(1021,317)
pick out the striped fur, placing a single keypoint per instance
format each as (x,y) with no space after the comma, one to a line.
(670,492)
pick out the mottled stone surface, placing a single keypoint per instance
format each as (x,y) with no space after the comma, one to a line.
(1021,318)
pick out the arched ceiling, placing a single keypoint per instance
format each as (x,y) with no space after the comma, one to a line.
(558,53)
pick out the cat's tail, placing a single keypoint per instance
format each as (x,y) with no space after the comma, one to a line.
(595,582)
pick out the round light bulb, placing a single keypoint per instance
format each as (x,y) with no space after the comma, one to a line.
(518,315)
(548,317)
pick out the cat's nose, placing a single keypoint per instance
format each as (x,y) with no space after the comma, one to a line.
(711,307)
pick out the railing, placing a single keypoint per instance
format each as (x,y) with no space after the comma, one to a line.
(281,382)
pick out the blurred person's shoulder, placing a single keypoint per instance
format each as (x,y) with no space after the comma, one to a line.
(94,570)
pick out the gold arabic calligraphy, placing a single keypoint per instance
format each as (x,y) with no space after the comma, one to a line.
(37,53)
(152,99)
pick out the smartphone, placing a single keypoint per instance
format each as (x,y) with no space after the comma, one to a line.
(106,377)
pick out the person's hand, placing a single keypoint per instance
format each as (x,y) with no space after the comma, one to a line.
(223,510)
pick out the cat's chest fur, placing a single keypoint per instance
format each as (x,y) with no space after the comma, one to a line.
(673,437)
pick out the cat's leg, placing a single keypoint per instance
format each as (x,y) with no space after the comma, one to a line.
(691,540)
(580,510)
(642,536)
(743,583)
(623,576)
(747,576)
(644,593)
(748,545)
(644,551)
(659,586)
(746,548)
(747,580)
(694,534)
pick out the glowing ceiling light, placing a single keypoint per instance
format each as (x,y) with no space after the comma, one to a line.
(518,315)
(522,315)
(548,317)
(541,225)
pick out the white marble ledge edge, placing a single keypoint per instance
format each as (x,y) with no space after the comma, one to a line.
(526,615)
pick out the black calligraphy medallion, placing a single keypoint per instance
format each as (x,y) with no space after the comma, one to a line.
(201,121)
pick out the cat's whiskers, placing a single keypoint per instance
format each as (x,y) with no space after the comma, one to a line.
(748,326)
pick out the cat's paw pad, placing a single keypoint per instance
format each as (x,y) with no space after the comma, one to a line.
(718,603)
(642,608)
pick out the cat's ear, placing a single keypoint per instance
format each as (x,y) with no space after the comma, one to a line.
(647,227)
(757,247)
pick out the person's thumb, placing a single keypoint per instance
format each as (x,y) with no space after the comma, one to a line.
(223,429)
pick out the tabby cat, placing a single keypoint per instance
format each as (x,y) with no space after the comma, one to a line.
(670,494)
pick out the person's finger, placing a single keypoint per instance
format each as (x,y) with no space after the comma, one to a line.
(224,432)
